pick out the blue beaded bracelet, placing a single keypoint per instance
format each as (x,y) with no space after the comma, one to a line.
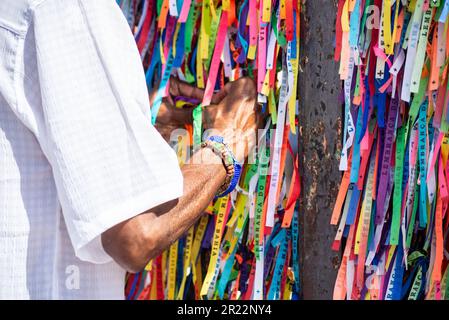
(237,167)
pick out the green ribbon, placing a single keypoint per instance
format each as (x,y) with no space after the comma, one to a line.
(280,37)
(416,287)
(252,170)
(411,225)
(261,185)
(190,25)
(434,3)
(397,194)
(213,36)
(418,99)
(197,125)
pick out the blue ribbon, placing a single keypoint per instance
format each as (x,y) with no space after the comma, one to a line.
(422,128)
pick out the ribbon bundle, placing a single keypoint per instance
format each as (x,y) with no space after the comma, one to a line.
(392,206)
(246,245)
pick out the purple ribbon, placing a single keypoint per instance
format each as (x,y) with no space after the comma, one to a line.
(386,160)
(206,243)
(187,99)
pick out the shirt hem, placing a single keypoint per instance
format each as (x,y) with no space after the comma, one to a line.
(120,213)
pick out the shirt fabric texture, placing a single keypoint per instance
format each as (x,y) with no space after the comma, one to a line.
(78,153)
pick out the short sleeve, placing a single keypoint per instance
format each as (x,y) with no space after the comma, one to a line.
(108,161)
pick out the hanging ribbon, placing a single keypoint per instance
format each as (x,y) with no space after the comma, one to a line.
(393,213)
(245,246)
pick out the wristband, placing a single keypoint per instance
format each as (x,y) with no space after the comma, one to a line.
(232,166)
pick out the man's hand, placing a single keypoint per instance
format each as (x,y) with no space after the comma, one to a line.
(233,113)
(236,116)
(169,117)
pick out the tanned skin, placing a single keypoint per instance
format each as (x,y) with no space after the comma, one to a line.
(136,241)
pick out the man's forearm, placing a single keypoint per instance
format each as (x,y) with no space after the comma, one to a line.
(201,182)
(134,242)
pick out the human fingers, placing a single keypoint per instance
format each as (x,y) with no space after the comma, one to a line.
(168,114)
(181,88)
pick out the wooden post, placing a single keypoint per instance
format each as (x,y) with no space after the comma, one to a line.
(320,123)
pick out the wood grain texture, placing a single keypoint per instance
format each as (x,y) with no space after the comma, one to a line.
(320,123)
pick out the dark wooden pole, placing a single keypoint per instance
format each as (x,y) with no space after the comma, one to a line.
(320,122)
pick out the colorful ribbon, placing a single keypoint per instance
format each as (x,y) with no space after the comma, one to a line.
(246,244)
(393,199)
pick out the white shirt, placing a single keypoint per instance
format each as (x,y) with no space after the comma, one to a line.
(77,151)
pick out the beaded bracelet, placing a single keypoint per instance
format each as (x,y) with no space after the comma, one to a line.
(232,166)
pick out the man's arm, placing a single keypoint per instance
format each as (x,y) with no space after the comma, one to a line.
(134,242)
